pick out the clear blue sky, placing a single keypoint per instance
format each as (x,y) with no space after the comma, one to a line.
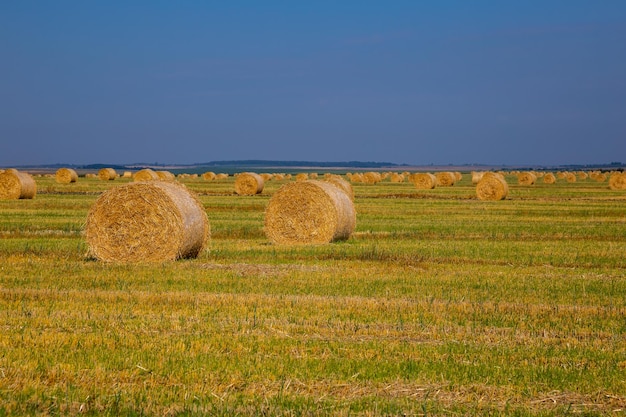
(416,82)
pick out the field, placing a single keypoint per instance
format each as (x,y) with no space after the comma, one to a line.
(439,304)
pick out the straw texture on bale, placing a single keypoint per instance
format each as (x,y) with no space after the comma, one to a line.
(107,174)
(395,177)
(166,176)
(476,176)
(208,176)
(127,174)
(338,181)
(66,176)
(302,176)
(549,178)
(150,221)
(15,185)
(492,187)
(309,212)
(617,181)
(445,179)
(570,177)
(146,175)
(526,178)
(249,183)
(372,177)
(423,180)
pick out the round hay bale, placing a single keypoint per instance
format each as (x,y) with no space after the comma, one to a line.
(221,176)
(476,176)
(107,174)
(617,181)
(127,174)
(458,176)
(16,185)
(146,175)
(166,176)
(570,177)
(492,187)
(209,176)
(423,180)
(395,177)
(309,212)
(338,181)
(372,177)
(91,175)
(526,178)
(549,178)
(66,176)
(149,221)
(249,183)
(302,176)
(356,178)
(445,179)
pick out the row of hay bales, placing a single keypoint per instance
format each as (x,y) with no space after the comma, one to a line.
(156,221)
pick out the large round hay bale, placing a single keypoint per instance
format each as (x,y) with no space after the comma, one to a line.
(617,181)
(146,175)
(341,183)
(249,183)
(16,185)
(445,179)
(526,178)
(549,178)
(423,180)
(66,176)
(107,174)
(309,212)
(148,221)
(492,187)
(166,176)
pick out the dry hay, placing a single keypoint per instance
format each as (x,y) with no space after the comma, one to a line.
(582,175)
(221,176)
(423,180)
(166,176)
(561,175)
(338,181)
(302,176)
(278,177)
(395,177)
(526,178)
(249,183)
(600,177)
(549,178)
(15,185)
(209,176)
(445,179)
(313,175)
(356,178)
(66,176)
(309,212)
(371,177)
(107,174)
(91,175)
(492,187)
(458,176)
(570,177)
(146,175)
(266,176)
(146,222)
(127,174)
(476,176)
(617,181)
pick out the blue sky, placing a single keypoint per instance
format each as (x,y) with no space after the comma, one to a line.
(416,82)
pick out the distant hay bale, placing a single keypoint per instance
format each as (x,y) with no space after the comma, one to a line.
(570,177)
(107,174)
(476,176)
(127,174)
(302,176)
(617,181)
(66,176)
(146,175)
(395,177)
(338,181)
(249,183)
(561,175)
(221,176)
(445,179)
(526,178)
(356,178)
(209,176)
(91,175)
(278,177)
(166,176)
(492,187)
(309,212)
(15,185)
(549,178)
(313,175)
(601,177)
(372,177)
(458,176)
(423,180)
(582,175)
(146,222)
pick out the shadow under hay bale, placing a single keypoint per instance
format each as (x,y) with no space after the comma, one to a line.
(147,222)
(492,187)
(309,212)
(15,185)
(249,183)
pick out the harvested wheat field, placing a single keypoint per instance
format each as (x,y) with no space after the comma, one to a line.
(402,301)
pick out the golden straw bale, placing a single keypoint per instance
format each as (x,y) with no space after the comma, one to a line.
(91,175)
(476,176)
(127,174)
(549,178)
(338,181)
(423,180)
(561,175)
(458,176)
(16,185)
(313,175)
(617,181)
(249,183)
(357,177)
(150,221)
(107,174)
(302,176)
(492,187)
(526,178)
(266,176)
(570,177)
(309,212)
(395,177)
(209,176)
(372,177)
(582,175)
(278,177)
(146,175)
(166,176)
(66,176)
(221,176)
(445,179)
